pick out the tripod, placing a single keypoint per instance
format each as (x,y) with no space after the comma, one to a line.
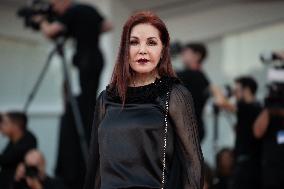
(216,111)
(59,50)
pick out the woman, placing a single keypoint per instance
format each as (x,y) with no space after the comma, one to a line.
(144,133)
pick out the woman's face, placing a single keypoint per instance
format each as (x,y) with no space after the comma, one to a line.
(145,48)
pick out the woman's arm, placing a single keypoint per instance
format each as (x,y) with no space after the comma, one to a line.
(92,179)
(183,116)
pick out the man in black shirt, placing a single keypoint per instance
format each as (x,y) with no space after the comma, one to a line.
(195,80)
(21,141)
(247,152)
(269,127)
(84,24)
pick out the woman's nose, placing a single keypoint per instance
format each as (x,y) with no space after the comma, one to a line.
(143,49)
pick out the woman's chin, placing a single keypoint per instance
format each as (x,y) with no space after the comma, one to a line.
(144,70)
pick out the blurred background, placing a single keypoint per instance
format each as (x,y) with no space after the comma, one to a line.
(235,32)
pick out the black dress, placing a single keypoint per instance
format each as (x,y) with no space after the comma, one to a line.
(127,144)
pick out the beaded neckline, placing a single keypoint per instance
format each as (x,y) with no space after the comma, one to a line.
(143,86)
(143,94)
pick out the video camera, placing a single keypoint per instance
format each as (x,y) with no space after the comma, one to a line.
(275,96)
(33,8)
(32,171)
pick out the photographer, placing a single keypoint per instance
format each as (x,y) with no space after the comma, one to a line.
(247,151)
(14,126)
(269,126)
(195,80)
(31,174)
(84,24)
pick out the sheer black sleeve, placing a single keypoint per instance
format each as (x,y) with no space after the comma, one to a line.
(92,179)
(182,115)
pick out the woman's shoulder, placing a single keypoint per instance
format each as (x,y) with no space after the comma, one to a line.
(101,96)
(179,88)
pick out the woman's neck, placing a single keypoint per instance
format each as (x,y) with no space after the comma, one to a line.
(143,79)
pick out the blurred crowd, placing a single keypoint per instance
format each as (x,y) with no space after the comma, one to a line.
(256,161)
(22,165)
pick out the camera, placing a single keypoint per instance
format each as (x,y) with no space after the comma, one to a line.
(270,57)
(32,171)
(33,8)
(275,76)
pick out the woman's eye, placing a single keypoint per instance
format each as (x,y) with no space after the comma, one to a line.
(152,43)
(133,42)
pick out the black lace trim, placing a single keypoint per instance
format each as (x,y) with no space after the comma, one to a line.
(143,94)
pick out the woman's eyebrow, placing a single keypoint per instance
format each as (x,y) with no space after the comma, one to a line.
(152,38)
(147,38)
(134,37)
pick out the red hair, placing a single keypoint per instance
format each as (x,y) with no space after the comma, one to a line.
(122,75)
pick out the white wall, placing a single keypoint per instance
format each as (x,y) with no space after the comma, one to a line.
(217,21)
(242,50)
